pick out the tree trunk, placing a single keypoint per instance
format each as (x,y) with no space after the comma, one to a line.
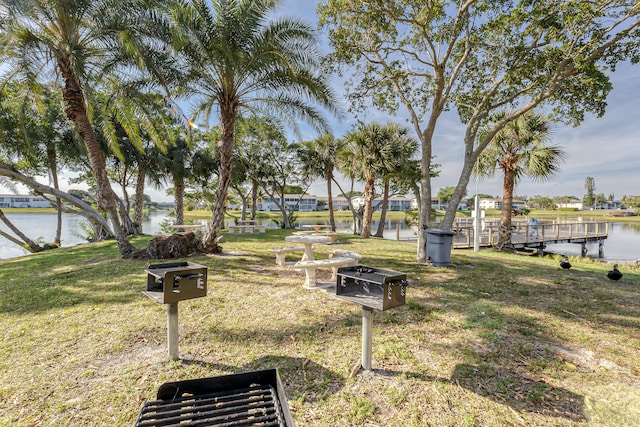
(332,219)
(53,167)
(123,186)
(254,198)
(470,157)
(31,246)
(383,211)
(85,210)
(75,109)
(284,207)
(245,205)
(127,223)
(227,120)
(178,197)
(138,204)
(425,199)
(368,208)
(505,231)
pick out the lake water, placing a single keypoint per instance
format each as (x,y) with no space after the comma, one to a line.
(622,245)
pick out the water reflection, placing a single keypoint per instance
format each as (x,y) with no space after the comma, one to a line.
(42,228)
(623,244)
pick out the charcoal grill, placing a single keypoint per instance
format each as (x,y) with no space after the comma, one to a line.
(171,283)
(248,399)
(176,281)
(374,289)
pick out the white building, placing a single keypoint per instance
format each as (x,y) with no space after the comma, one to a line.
(435,204)
(295,202)
(571,205)
(23,201)
(395,203)
(497,204)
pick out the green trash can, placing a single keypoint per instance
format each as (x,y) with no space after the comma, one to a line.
(439,244)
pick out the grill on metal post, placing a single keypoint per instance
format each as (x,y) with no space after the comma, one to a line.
(374,289)
(249,399)
(173,282)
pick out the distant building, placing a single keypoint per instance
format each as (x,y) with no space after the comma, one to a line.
(295,202)
(497,204)
(436,204)
(395,203)
(22,201)
(571,205)
(340,203)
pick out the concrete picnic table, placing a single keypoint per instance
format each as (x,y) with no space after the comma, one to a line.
(185,228)
(317,227)
(307,240)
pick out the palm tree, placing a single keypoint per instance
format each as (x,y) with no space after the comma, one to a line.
(81,40)
(318,160)
(238,58)
(404,149)
(371,151)
(519,149)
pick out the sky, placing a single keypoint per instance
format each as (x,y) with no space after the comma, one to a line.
(606,149)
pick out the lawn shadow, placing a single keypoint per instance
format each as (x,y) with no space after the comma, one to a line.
(507,387)
(522,393)
(301,376)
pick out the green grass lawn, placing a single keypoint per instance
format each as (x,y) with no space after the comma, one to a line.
(495,340)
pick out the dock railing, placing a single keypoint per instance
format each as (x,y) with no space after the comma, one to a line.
(532,234)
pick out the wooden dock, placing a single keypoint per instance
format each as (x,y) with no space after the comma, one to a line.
(538,236)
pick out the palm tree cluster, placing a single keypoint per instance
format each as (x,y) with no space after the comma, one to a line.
(369,153)
(95,87)
(119,66)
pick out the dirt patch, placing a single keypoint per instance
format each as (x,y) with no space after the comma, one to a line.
(584,358)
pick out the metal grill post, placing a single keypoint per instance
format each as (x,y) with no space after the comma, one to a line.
(367,335)
(172,330)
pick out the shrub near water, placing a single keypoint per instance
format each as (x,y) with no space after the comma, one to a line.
(495,340)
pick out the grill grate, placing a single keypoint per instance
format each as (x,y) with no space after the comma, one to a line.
(204,403)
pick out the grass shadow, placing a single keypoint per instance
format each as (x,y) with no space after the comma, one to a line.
(520,392)
(303,379)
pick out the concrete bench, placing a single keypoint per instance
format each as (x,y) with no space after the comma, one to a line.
(344,253)
(310,267)
(333,235)
(281,253)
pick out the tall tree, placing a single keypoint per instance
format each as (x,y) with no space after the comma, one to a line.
(372,151)
(478,56)
(518,149)
(275,167)
(590,196)
(36,137)
(239,58)
(318,160)
(83,40)
(404,149)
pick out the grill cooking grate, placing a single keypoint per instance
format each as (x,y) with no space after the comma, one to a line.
(189,403)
